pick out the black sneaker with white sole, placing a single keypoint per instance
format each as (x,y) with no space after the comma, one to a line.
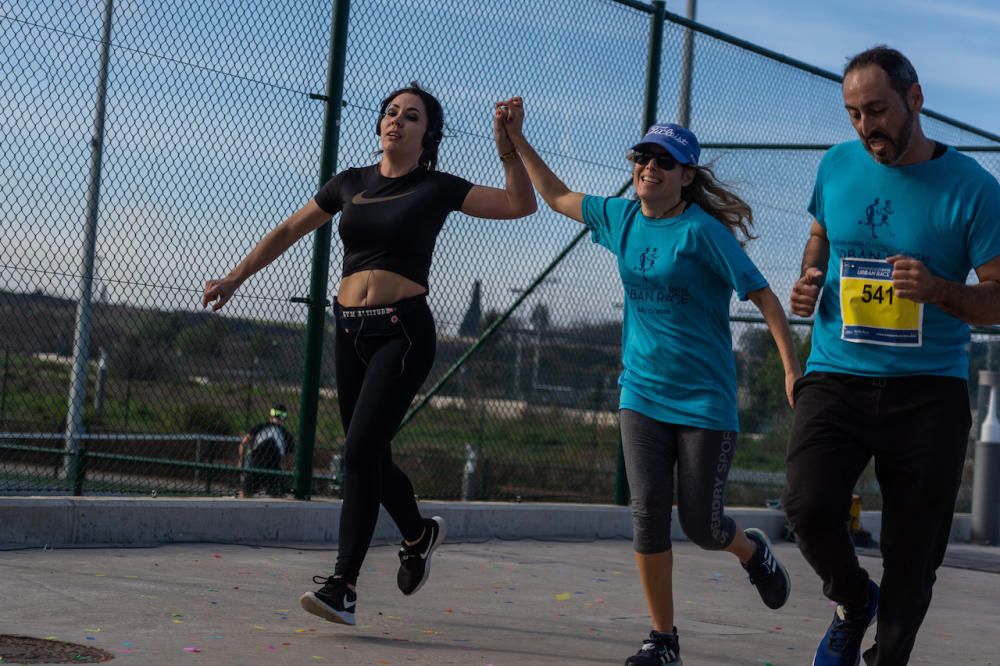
(660,649)
(415,560)
(767,574)
(334,601)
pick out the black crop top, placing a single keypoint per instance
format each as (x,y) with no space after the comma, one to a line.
(391,223)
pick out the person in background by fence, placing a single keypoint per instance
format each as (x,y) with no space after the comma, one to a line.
(263,448)
(680,261)
(899,221)
(391,213)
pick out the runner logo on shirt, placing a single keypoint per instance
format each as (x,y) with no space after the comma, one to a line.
(878,217)
(646,261)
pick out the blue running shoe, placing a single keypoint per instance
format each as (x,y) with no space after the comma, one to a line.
(841,646)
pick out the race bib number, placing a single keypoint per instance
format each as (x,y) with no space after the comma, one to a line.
(871,311)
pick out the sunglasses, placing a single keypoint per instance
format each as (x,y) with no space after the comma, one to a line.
(665,162)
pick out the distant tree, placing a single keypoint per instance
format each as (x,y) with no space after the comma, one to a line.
(474,314)
(158,329)
(763,375)
(540,318)
(201,340)
(263,345)
(206,420)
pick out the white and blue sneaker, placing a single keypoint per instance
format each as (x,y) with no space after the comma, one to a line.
(841,645)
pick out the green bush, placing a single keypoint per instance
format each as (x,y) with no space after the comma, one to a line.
(207,419)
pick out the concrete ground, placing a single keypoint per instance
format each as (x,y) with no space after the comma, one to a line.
(499,603)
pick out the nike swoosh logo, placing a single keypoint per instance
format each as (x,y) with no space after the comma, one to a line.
(360,198)
(430,545)
(350,609)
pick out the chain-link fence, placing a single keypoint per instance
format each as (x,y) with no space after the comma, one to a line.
(213,131)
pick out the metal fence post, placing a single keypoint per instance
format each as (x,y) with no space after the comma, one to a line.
(81,336)
(986,476)
(470,488)
(3,388)
(687,65)
(102,376)
(302,483)
(648,118)
(653,64)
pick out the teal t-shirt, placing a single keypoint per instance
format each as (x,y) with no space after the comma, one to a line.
(678,275)
(944,212)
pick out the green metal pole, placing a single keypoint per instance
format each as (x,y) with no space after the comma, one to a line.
(687,65)
(653,64)
(648,118)
(334,98)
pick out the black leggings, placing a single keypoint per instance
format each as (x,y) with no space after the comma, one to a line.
(383,356)
(703,458)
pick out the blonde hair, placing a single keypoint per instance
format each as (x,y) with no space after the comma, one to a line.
(719,202)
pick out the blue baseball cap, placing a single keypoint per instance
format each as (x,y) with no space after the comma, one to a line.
(676,140)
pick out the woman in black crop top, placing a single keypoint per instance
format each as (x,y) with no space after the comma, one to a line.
(390,215)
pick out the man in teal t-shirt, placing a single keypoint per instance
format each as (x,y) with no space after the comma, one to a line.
(900,221)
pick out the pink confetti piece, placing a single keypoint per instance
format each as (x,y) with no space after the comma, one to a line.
(192,650)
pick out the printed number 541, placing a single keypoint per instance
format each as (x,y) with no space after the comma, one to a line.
(871,293)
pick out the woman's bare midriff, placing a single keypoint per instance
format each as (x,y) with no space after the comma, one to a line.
(376,287)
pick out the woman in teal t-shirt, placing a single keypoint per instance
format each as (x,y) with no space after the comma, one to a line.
(679,261)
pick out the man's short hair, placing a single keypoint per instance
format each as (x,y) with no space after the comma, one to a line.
(897,67)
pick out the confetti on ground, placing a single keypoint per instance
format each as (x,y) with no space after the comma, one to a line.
(563,596)
(95,630)
(192,649)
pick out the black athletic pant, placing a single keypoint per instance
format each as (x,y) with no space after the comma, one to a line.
(917,430)
(383,356)
(265,455)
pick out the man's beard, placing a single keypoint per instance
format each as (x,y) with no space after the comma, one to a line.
(895,147)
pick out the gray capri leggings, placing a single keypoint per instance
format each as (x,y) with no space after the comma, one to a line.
(703,458)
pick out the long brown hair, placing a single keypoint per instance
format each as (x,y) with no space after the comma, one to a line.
(724,205)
